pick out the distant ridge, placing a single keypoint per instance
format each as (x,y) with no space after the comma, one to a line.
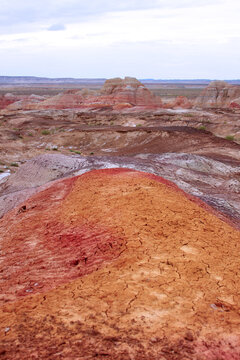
(14,80)
(45,80)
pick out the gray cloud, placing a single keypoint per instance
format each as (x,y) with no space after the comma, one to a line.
(175,55)
(23,13)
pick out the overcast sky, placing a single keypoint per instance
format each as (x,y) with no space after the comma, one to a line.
(161,39)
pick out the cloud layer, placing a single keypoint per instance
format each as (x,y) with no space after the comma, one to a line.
(154,38)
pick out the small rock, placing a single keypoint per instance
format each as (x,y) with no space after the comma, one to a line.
(214,307)
(189,336)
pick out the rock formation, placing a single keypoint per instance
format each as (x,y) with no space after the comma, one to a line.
(69,99)
(27,103)
(181,102)
(118,264)
(8,99)
(116,94)
(130,90)
(219,94)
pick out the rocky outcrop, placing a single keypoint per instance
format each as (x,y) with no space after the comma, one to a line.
(12,102)
(181,102)
(116,94)
(130,90)
(70,99)
(27,103)
(235,104)
(219,94)
(118,264)
(8,99)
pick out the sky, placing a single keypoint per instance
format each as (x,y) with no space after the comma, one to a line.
(160,39)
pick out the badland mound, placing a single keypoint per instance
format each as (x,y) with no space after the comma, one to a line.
(146,272)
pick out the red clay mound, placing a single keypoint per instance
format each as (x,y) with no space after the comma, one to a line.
(154,274)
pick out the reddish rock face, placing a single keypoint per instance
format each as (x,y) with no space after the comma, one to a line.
(66,100)
(219,94)
(13,103)
(116,94)
(7,99)
(235,104)
(130,90)
(180,102)
(147,272)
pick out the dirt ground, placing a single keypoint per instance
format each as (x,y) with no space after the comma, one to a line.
(154,273)
(24,135)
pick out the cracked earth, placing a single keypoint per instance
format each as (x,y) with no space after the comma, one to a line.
(118,264)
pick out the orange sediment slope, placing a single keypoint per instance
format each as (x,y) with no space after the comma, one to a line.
(118,264)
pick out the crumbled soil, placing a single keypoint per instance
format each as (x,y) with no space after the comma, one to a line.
(122,265)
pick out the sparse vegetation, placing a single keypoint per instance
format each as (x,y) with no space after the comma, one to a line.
(202,127)
(30,134)
(14,164)
(75,151)
(45,132)
(229,137)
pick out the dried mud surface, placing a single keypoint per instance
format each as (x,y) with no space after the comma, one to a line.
(118,264)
